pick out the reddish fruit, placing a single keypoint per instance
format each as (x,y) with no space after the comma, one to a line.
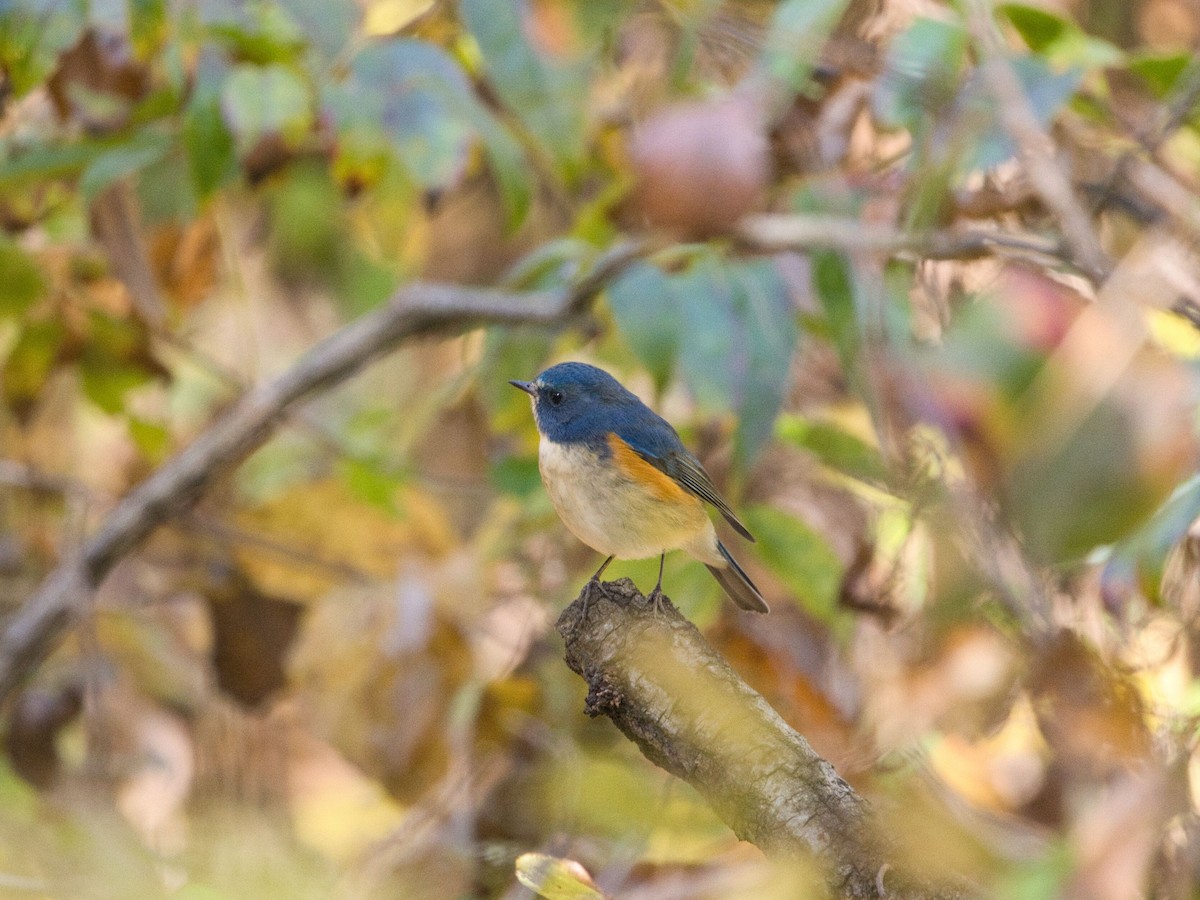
(700,167)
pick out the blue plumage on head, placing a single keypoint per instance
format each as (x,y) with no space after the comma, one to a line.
(577,403)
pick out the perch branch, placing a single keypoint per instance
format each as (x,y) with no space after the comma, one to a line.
(669,692)
(414,311)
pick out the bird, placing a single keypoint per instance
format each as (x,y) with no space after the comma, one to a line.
(622,481)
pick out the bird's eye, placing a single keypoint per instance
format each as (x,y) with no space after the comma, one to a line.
(556,397)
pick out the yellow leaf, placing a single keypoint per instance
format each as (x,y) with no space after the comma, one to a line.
(389,16)
(311,535)
(1174,334)
(555,878)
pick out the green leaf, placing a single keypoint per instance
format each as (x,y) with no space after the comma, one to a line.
(736,342)
(113,361)
(147,25)
(1140,556)
(1087,493)
(369,482)
(1059,40)
(31,37)
(116,337)
(1046,874)
(21,284)
(793,43)
(261,33)
(550,99)
(768,338)
(549,265)
(507,161)
(835,448)
(921,75)
(209,143)
(47,161)
(555,878)
(416,94)
(898,279)
(708,335)
(403,85)
(1047,91)
(153,439)
(363,283)
(800,557)
(833,280)
(1161,72)
(1038,27)
(263,100)
(648,317)
(30,362)
(307,226)
(146,148)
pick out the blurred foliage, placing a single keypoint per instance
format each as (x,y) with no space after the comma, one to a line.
(971,478)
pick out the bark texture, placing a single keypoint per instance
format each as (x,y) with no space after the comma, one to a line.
(669,692)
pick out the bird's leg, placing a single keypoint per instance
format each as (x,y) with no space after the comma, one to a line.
(656,596)
(593,584)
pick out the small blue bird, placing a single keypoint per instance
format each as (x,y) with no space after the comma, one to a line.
(622,481)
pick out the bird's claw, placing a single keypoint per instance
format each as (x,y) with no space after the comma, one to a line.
(657,598)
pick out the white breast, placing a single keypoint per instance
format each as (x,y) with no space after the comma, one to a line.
(610,513)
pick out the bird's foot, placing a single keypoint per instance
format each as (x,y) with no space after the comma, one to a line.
(657,600)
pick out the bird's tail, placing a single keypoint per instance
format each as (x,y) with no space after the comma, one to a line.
(737,583)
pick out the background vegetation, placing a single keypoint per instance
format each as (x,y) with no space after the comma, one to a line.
(915,279)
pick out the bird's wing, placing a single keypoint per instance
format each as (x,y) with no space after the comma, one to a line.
(662,448)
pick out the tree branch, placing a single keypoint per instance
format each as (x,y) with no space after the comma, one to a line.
(1039,160)
(775,231)
(669,692)
(414,311)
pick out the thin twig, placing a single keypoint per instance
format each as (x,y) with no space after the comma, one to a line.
(1035,149)
(14,474)
(774,232)
(301,557)
(1138,184)
(1165,191)
(417,310)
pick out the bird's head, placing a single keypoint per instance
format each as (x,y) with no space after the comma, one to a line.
(575,401)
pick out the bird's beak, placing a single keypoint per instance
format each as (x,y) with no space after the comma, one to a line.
(526,386)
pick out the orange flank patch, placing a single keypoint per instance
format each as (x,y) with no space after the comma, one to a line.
(636,469)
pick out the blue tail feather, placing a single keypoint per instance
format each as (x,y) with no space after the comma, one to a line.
(737,583)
